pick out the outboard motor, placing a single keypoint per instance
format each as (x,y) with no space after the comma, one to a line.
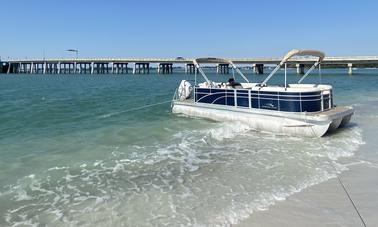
(184,90)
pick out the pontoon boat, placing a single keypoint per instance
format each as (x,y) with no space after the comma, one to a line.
(292,109)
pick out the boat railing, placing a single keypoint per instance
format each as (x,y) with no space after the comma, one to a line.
(175,96)
(248,98)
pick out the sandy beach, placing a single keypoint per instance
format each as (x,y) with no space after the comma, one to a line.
(326,204)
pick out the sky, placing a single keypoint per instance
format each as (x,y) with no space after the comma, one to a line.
(195,28)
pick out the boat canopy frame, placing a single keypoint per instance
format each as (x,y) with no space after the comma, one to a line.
(197,62)
(292,54)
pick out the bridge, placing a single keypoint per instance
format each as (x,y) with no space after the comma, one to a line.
(165,65)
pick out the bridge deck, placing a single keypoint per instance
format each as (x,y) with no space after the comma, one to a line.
(301,60)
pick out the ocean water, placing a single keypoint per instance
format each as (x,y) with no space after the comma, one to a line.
(79,150)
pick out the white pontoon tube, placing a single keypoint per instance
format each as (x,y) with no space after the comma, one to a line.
(293,53)
(216,60)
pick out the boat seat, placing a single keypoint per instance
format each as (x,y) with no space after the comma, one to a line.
(231,82)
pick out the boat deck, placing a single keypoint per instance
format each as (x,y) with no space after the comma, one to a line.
(330,112)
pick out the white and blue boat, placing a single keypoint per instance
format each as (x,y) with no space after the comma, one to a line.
(291,109)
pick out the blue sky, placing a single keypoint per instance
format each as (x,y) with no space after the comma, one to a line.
(170,28)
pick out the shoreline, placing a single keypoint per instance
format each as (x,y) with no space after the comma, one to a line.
(326,204)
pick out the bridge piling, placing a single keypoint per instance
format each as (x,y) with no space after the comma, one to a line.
(126,69)
(300,68)
(165,68)
(8,69)
(56,68)
(350,68)
(37,69)
(223,69)
(41,68)
(50,68)
(147,66)
(141,68)
(79,68)
(190,68)
(100,68)
(92,67)
(116,68)
(83,68)
(31,68)
(258,68)
(120,68)
(59,67)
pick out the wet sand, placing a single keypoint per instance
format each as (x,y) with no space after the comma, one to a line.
(327,204)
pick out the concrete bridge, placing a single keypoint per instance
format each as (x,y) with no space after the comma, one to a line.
(165,65)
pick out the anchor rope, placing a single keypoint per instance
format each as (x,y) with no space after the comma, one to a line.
(351,200)
(346,192)
(135,109)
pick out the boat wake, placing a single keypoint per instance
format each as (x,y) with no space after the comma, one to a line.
(218,176)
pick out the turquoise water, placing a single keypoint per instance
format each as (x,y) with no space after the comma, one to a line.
(77,150)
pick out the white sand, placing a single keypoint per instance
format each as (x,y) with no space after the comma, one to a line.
(327,204)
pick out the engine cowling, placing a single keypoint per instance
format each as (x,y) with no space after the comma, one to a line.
(184,90)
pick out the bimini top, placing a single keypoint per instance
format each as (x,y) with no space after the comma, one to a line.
(296,52)
(293,53)
(197,61)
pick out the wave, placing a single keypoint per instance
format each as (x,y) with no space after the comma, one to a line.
(218,175)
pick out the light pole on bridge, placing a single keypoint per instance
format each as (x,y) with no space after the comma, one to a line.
(74,50)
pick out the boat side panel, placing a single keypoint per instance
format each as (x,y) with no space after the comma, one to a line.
(280,101)
(242,98)
(269,100)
